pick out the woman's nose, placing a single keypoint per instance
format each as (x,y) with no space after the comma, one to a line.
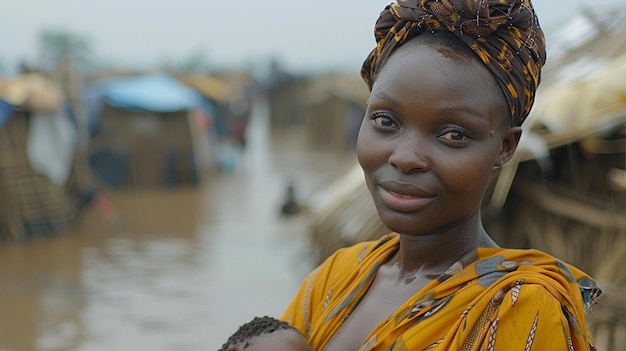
(407,157)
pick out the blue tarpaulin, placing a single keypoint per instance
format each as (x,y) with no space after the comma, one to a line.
(155,93)
(6,110)
(158,93)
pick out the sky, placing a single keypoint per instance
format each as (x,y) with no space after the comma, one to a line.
(302,35)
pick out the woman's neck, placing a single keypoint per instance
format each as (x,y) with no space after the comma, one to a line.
(434,253)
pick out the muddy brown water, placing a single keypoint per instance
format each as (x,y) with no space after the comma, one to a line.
(178,269)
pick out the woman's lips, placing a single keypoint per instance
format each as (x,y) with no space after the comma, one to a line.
(403,202)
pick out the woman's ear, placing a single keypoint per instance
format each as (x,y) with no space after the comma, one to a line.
(510,141)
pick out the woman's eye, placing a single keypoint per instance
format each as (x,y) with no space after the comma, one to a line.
(383,120)
(454,135)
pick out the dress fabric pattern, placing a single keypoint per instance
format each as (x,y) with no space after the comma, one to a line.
(492,299)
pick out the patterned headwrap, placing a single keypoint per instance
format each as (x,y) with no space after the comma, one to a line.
(505,34)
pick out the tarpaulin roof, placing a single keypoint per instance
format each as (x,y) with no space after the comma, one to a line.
(6,109)
(157,93)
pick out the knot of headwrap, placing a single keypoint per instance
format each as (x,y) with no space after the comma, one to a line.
(505,34)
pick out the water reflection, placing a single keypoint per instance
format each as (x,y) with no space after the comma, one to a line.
(178,269)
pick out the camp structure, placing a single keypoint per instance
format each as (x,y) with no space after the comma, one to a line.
(564,191)
(44,180)
(146,131)
(333,108)
(285,94)
(231,94)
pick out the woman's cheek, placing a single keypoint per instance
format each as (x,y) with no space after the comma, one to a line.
(370,149)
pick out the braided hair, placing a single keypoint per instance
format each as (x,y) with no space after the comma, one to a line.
(258,326)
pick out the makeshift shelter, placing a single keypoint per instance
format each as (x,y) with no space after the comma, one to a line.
(333,110)
(42,177)
(232,96)
(216,91)
(233,93)
(146,131)
(564,191)
(285,94)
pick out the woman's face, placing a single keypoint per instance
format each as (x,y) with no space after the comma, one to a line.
(431,136)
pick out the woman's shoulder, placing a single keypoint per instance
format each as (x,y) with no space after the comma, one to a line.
(538,268)
(511,259)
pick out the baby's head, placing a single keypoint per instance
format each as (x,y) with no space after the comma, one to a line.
(266,333)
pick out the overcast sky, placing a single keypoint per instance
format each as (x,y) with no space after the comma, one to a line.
(318,34)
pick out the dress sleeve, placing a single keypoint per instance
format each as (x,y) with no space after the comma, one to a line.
(313,294)
(304,306)
(298,312)
(531,318)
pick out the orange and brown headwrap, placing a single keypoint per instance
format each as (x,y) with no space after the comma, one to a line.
(505,34)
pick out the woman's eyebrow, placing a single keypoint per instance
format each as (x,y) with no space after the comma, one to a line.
(381,95)
(445,108)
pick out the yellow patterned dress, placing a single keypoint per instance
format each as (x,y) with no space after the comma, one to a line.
(492,299)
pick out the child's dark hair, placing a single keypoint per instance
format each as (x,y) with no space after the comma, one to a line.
(258,326)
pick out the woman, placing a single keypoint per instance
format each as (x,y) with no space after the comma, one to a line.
(451,83)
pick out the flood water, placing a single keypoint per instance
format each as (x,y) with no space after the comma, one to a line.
(176,269)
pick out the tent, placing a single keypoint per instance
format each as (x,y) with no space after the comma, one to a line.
(145,131)
(43,180)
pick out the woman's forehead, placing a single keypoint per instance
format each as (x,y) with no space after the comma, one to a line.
(420,62)
(424,76)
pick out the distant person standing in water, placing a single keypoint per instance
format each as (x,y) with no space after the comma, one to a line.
(290,205)
(451,83)
(239,119)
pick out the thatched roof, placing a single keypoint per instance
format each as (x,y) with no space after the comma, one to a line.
(33,92)
(588,35)
(208,86)
(349,87)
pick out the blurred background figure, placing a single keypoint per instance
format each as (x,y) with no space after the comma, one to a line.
(290,206)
